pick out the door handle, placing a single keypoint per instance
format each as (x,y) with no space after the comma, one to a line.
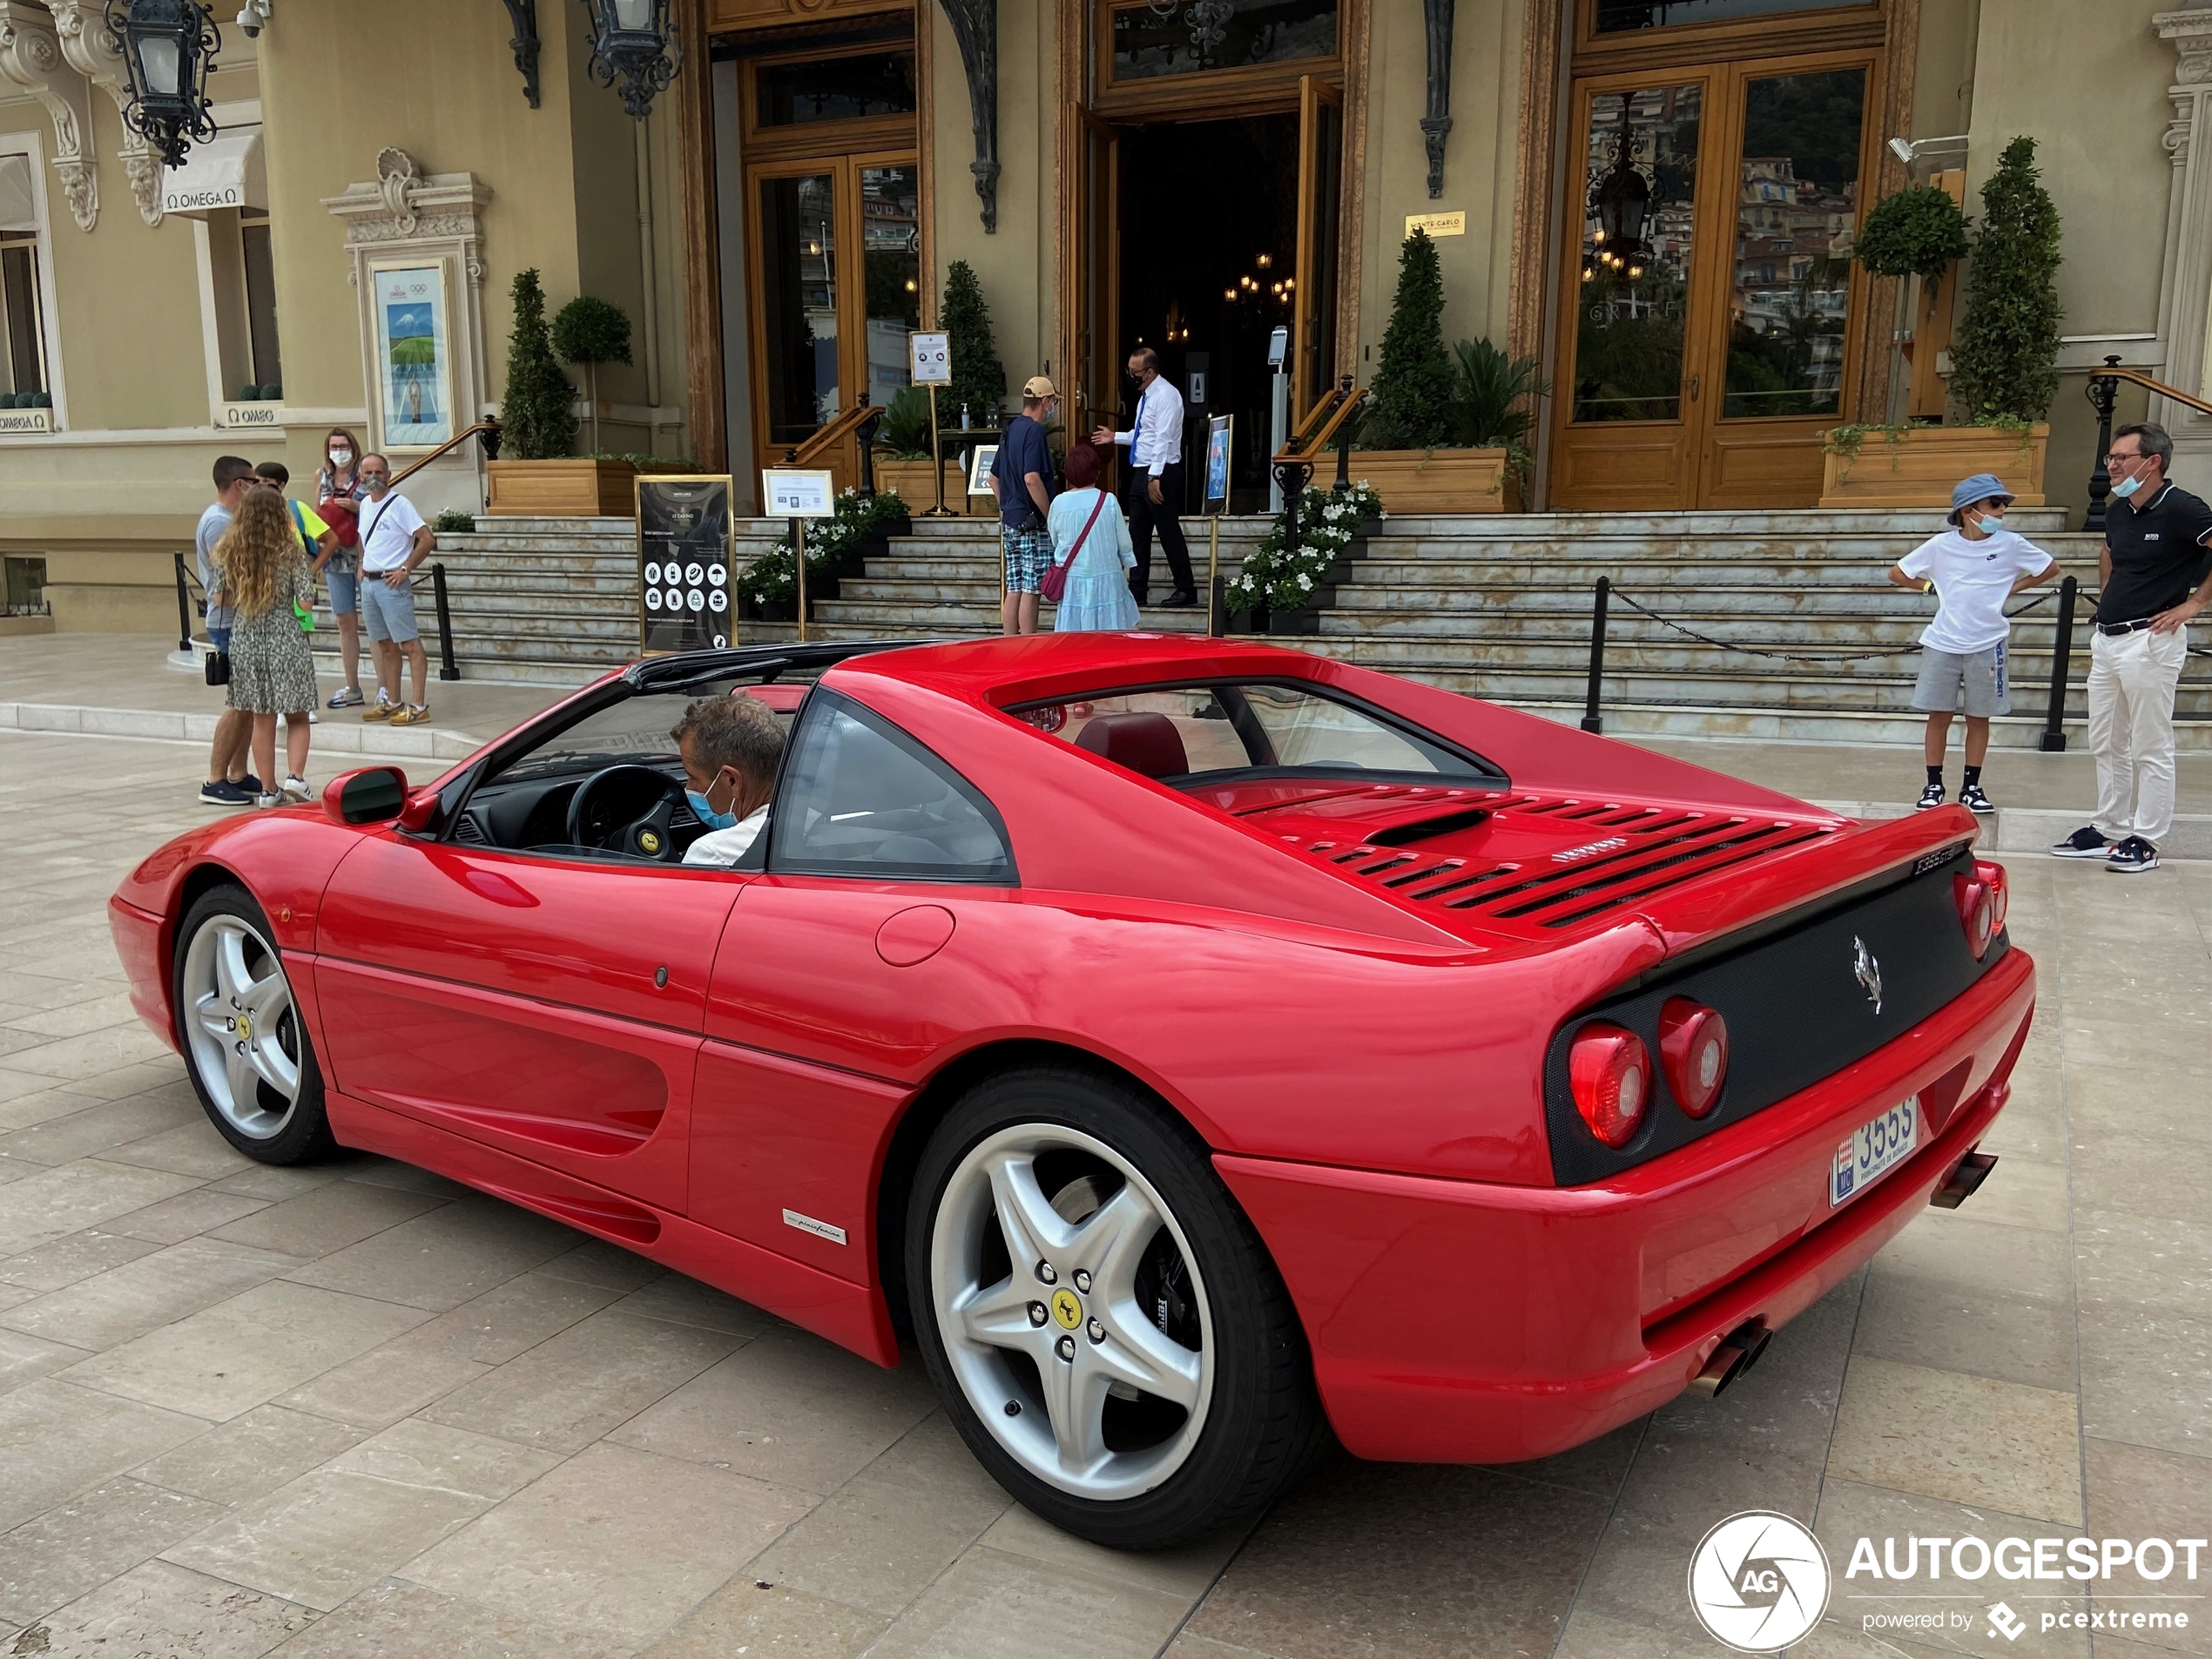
(1695,381)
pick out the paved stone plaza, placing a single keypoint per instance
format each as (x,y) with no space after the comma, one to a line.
(354,1410)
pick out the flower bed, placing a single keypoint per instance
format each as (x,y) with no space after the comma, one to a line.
(835,547)
(1328,524)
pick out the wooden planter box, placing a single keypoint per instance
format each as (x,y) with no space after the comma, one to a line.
(560,488)
(1430,480)
(1921,468)
(911,480)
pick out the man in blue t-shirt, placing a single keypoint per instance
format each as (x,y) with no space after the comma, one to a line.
(1022,483)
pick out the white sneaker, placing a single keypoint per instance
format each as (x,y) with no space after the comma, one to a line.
(298,788)
(267,800)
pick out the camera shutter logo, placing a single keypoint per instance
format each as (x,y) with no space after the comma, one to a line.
(1758,1581)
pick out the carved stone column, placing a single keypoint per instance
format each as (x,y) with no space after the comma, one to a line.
(30,56)
(2185,292)
(85,44)
(976,28)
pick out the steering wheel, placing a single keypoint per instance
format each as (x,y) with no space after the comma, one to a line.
(616,790)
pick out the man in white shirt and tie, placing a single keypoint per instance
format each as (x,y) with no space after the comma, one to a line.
(1155,443)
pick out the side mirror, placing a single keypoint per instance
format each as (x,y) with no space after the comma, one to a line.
(368,795)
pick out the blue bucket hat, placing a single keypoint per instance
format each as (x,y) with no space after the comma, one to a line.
(1983,486)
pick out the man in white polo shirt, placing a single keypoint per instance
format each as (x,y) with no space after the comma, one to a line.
(394,541)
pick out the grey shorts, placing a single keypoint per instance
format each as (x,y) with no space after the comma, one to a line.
(1976,683)
(387,612)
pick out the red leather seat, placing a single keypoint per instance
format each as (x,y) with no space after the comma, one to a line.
(1145,743)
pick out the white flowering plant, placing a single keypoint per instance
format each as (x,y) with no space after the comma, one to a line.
(830,544)
(1326,525)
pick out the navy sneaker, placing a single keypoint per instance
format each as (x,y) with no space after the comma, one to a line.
(1931,796)
(2087,842)
(219,793)
(1974,801)
(2132,857)
(251,785)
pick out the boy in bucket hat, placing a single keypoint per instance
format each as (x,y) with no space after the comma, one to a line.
(1973,569)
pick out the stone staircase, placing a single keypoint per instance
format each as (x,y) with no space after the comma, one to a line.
(1498,607)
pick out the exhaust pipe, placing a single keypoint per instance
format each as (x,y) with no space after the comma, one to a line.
(1739,1351)
(1973,1171)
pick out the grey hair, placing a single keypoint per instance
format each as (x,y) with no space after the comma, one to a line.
(737,731)
(2157,442)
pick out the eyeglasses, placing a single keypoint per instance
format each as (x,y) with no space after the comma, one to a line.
(2115,459)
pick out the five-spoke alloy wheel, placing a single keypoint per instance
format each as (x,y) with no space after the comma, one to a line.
(247,1049)
(1114,1342)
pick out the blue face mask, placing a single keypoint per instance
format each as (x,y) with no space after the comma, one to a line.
(2124,488)
(706,813)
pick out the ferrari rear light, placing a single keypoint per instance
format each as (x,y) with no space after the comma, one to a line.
(1693,1050)
(1993,877)
(1977,911)
(1608,1071)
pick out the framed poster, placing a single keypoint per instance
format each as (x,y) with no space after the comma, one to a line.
(413,354)
(685,544)
(930,358)
(979,463)
(798,492)
(1220,433)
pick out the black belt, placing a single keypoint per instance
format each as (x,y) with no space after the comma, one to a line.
(2136,626)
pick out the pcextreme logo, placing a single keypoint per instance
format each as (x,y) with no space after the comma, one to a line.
(1758,1581)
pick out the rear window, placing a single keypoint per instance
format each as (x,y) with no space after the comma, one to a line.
(1217,730)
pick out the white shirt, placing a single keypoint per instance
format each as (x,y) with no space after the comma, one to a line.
(388,532)
(728,845)
(1972,580)
(1156,441)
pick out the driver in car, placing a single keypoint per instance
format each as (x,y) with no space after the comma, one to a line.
(732,746)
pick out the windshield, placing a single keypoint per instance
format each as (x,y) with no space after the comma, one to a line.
(634,732)
(1205,733)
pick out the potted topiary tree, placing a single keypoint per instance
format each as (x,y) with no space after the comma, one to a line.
(2004,362)
(537,474)
(1414,453)
(591,331)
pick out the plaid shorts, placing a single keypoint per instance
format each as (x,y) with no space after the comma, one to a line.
(1027,554)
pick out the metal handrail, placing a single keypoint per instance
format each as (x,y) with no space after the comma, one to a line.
(488,429)
(2103,392)
(1321,422)
(2112,371)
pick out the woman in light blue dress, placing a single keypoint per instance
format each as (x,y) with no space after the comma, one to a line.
(1097,599)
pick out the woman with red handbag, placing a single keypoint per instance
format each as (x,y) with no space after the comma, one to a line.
(1091,554)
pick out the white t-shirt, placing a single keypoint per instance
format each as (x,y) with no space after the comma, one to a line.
(728,845)
(387,531)
(1972,580)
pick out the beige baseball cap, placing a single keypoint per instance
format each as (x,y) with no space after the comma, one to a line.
(1039,386)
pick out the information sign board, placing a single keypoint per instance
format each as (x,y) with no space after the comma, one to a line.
(685,545)
(791,492)
(930,358)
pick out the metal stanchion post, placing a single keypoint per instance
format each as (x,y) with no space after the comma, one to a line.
(1592,721)
(798,571)
(1213,575)
(448,668)
(936,458)
(2053,738)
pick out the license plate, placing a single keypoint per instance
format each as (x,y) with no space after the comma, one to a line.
(1874,1149)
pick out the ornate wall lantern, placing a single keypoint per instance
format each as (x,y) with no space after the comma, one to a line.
(634,40)
(168,47)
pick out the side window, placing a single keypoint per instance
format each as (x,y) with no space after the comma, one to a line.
(859,797)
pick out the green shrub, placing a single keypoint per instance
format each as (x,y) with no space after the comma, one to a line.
(1915,232)
(979,379)
(1494,400)
(1410,402)
(453,519)
(2004,357)
(589,330)
(537,416)
(903,433)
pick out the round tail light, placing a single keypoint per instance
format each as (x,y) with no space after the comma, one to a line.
(1977,913)
(1608,1071)
(1693,1050)
(1993,877)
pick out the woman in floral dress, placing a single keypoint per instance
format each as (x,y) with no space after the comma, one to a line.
(273,671)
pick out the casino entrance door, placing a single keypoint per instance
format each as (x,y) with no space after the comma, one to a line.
(1202,212)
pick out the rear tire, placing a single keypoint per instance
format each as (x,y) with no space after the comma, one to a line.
(244,1043)
(1166,1391)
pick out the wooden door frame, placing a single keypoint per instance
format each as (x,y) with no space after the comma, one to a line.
(1313,92)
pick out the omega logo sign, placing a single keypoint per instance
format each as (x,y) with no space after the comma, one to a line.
(195,201)
(26,420)
(260,415)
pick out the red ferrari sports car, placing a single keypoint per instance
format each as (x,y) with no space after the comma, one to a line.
(1191,1043)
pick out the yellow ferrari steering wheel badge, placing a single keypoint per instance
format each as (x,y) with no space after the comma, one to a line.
(649,840)
(1066,1309)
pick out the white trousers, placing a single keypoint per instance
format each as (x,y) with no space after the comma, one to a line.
(2131,728)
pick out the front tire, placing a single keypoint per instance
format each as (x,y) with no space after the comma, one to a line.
(1107,1330)
(245,1045)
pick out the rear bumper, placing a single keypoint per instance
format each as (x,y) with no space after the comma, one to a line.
(1458,1321)
(137,945)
